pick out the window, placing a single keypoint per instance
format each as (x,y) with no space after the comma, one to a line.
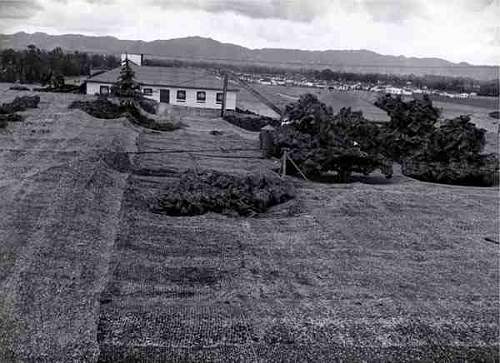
(147,91)
(201,96)
(104,90)
(219,97)
(181,95)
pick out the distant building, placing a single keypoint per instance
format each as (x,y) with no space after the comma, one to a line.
(137,59)
(394,90)
(178,86)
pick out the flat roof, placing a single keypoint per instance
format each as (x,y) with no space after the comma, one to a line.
(166,77)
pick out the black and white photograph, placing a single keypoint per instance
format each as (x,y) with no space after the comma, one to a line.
(249,181)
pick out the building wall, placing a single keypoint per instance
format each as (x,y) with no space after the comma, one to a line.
(210,102)
(95,88)
(191,101)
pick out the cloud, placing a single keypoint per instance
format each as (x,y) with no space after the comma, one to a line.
(457,30)
(294,10)
(18,9)
(394,11)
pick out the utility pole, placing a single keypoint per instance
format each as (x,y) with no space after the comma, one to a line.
(224,94)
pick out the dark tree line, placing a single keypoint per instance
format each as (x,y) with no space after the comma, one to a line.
(34,65)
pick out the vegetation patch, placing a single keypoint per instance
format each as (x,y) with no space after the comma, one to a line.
(251,122)
(19,88)
(8,110)
(450,153)
(20,104)
(211,191)
(104,109)
(319,141)
(100,108)
(150,106)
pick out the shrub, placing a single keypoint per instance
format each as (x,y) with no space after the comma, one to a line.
(104,109)
(409,126)
(19,88)
(452,155)
(319,141)
(148,105)
(10,117)
(251,123)
(20,104)
(100,108)
(480,171)
(211,191)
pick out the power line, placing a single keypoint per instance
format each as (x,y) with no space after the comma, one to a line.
(166,151)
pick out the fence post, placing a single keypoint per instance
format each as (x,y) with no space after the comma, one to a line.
(267,136)
(283,162)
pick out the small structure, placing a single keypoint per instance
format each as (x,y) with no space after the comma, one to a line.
(189,87)
(137,59)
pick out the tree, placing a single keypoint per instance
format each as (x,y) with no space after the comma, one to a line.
(450,153)
(319,141)
(126,87)
(409,126)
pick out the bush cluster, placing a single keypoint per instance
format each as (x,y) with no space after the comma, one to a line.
(320,141)
(104,109)
(8,110)
(251,122)
(211,191)
(450,153)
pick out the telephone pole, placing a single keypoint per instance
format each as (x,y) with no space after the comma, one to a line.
(224,95)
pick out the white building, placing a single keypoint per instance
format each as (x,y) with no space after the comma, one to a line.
(178,86)
(394,90)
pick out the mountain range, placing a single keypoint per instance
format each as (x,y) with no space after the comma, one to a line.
(206,49)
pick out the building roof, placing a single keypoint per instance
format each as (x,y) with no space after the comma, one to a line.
(166,77)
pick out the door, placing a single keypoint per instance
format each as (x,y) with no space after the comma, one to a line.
(165,95)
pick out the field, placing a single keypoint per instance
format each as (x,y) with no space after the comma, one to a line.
(375,270)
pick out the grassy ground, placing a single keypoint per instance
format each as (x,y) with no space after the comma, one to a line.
(375,270)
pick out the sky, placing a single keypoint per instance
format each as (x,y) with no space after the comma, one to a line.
(455,30)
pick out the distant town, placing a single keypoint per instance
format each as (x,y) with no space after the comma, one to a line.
(379,86)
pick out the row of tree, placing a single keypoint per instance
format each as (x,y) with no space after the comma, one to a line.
(33,65)
(320,142)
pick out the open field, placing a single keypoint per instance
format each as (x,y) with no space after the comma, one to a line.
(375,270)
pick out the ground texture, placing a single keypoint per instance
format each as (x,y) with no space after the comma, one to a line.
(375,270)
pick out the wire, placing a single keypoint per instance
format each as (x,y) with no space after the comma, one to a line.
(170,151)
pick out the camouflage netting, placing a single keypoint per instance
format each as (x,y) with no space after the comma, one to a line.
(211,191)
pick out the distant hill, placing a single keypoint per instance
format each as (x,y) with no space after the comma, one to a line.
(198,48)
